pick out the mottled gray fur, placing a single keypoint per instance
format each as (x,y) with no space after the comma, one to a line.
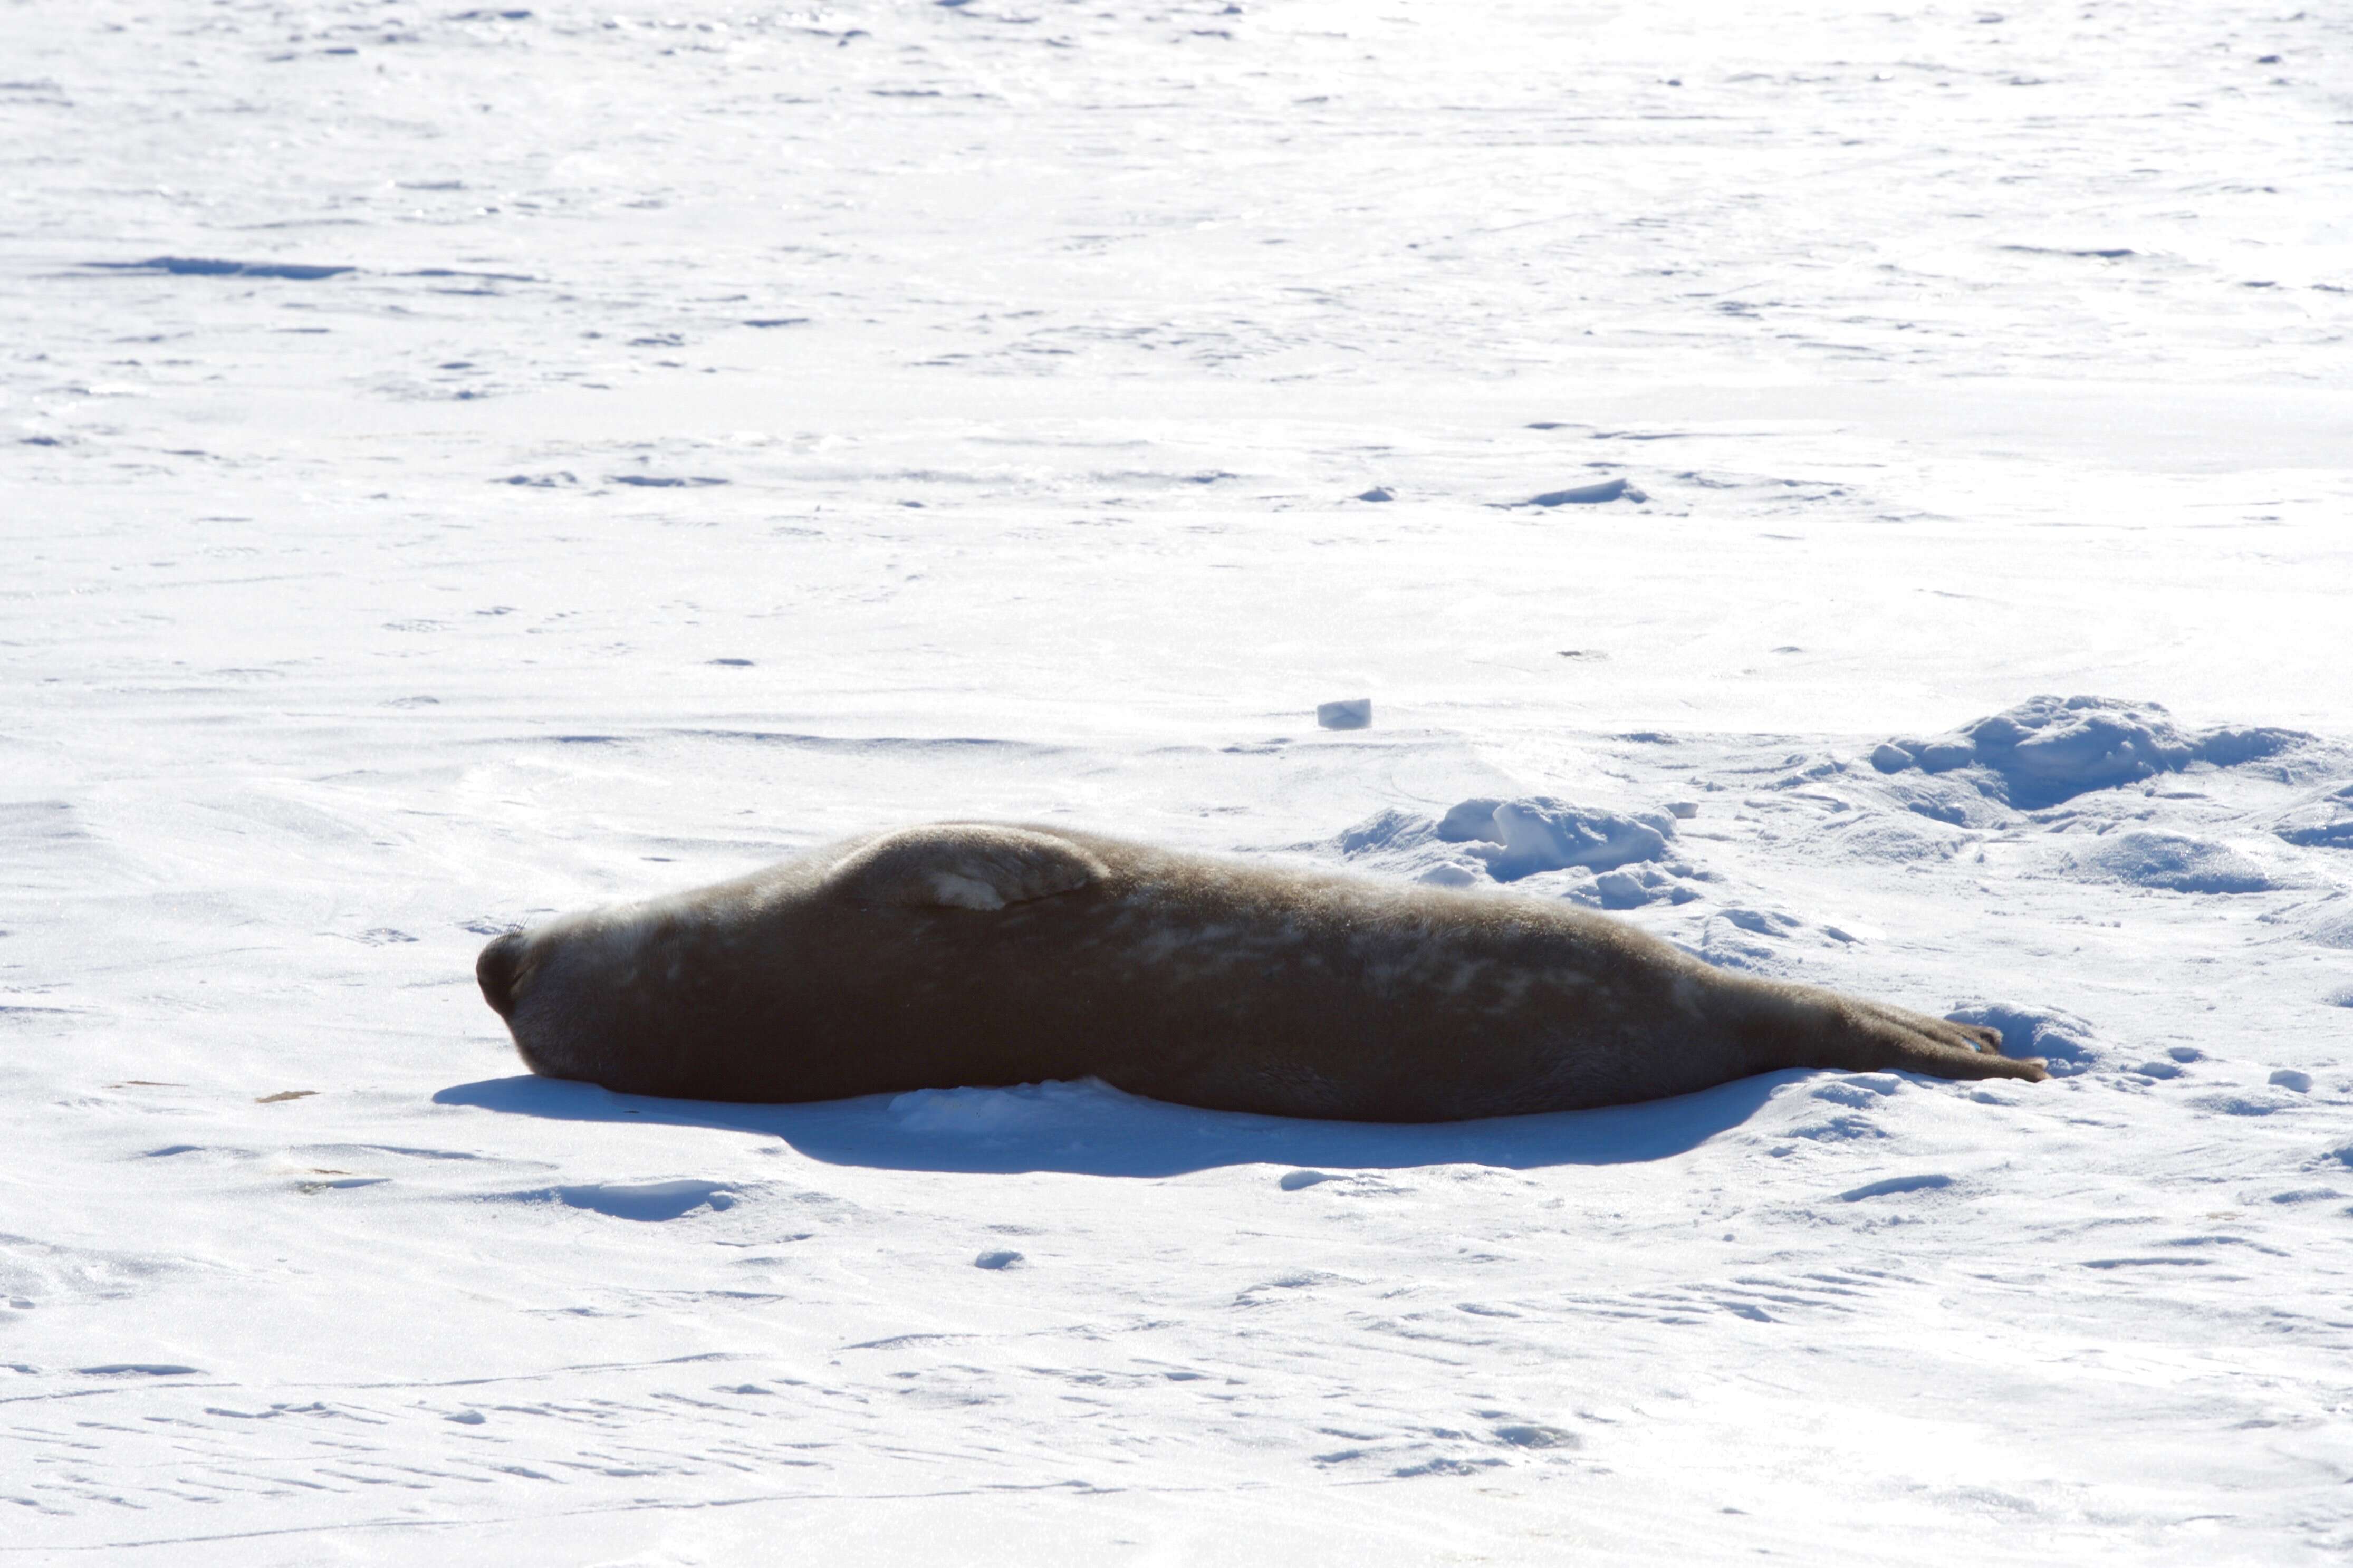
(982,953)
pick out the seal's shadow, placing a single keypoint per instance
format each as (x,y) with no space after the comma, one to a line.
(1089,1128)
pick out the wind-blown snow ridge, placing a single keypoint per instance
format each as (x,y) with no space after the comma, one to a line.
(2050,748)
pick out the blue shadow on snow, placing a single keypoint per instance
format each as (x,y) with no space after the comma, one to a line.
(1089,1128)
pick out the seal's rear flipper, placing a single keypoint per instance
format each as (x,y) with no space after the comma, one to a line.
(965,866)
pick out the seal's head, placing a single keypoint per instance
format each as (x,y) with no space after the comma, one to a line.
(508,973)
(765,987)
(498,969)
(621,996)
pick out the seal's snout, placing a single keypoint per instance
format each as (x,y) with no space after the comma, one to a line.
(496,969)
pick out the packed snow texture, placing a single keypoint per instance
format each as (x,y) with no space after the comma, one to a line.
(462,465)
(2174,860)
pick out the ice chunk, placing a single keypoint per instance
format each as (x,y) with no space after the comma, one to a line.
(1353,714)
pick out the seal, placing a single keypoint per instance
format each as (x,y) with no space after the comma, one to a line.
(984,953)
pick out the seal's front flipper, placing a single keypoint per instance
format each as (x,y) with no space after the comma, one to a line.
(965,866)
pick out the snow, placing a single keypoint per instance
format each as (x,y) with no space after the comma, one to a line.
(2174,860)
(1589,495)
(464,465)
(2053,749)
(1486,840)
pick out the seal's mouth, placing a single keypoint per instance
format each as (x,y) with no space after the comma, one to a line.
(496,971)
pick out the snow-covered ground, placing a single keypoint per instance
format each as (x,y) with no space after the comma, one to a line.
(637,443)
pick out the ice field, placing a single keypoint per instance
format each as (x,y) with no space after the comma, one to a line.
(463,465)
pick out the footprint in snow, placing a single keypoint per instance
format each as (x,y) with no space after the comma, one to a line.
(1532,1435)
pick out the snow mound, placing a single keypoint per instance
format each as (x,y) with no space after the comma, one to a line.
(2324,824)
(2174,861)
(1387,828)
(1626,889)
(1506,840)
(2050,748)
(2062,1039)
(1895,840)
(2334,927)
(1518,839)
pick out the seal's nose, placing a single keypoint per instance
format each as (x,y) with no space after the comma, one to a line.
(495,970)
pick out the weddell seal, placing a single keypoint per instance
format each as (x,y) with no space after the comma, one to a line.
(981,954)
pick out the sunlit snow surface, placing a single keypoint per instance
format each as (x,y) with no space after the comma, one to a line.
(455,467)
